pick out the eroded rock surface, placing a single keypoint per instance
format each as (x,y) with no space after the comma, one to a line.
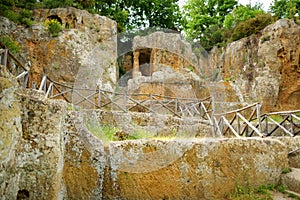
(163,64)
(84,160)
(40,150)
(264,67)
(83,55)
(293,146)
(197,169)
(10,133)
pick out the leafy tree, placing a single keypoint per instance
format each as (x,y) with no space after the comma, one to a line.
(130,14)
(199,15)
(203,20)
(136,14)
(241,13)
(154,13)
(114,9)
(286,8)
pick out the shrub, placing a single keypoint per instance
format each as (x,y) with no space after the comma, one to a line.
(11,44)
(251,26)
(54,27)
(25,17)
(11,15)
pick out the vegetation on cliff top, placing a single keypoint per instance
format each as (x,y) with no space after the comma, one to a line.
(208,23)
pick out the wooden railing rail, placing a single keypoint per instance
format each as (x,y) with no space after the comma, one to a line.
(154,103)
(21,73)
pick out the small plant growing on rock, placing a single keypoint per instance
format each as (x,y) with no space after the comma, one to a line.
(286,170)
(54,27)
(11,44)
(25,17)
(281,188)
(265,38)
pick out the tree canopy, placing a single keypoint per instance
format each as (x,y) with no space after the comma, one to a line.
(130,14)
(207,22)
(286,8)
(217,22)
(203,20)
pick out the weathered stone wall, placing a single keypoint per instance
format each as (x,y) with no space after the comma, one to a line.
(50,154)
(193,169)
(10,132)
(40,151)
(84,160)
(31,143)
(293,146)
(171,67)
(263,67)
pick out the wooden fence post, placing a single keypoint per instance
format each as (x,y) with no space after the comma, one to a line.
(49,90)
(43,82)
(151,106)
(25,82)
(258,107)
(99,98)
(4,57)
(125,101)
(292,123)
(238,125)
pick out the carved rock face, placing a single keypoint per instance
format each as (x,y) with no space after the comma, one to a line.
(83,54)
(265,67)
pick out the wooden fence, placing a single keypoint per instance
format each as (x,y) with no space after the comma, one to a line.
(14,66)
(243,122)
(248,122)
(107,100)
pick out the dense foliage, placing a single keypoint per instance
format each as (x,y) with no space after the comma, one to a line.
(286,8)
(207,23)
(200,15)
(130,14)
(228,21)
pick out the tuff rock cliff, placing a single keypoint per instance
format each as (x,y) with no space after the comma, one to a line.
(262,68)
(83,55)
(47,152)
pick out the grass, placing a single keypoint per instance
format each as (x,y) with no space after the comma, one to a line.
(103,132)
(264,192)
(108,133)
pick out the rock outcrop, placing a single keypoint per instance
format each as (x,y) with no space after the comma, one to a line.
(10,133)
(264,67)
(48,152)
(181,169)
(83,55)
(31,150)
(84,160)
(40,149)
(164,64)
(54,156)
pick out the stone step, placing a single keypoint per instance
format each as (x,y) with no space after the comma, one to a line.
(292,180)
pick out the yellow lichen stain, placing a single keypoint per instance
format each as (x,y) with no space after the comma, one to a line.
(80,178)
